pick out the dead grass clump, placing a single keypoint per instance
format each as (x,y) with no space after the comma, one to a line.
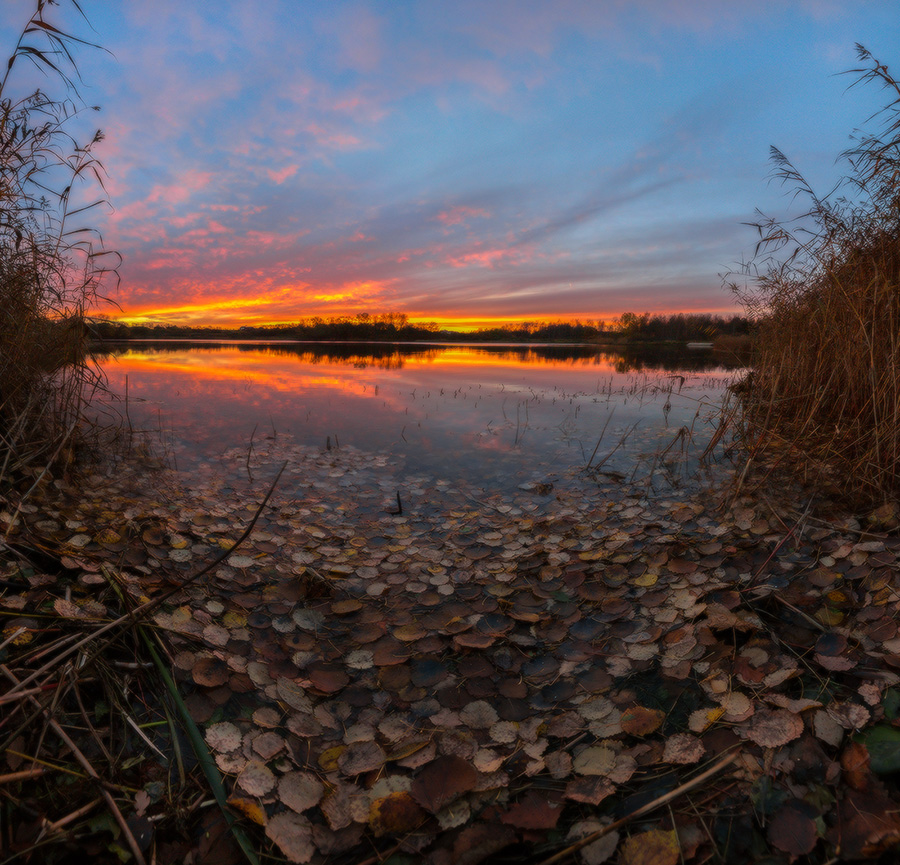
(52,266)
(825,386)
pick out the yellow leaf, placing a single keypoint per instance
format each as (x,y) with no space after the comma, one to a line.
(655,847)
(328,759)
(250,808)
(829,617)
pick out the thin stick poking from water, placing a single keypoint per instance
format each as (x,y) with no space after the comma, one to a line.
(249,452)
(602,433)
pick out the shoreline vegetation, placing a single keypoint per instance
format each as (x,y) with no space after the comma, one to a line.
(218,673)
(396,327)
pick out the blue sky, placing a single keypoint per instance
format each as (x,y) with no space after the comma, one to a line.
(464,162)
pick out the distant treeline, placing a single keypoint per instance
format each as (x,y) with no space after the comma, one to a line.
(396,327)
(681,327)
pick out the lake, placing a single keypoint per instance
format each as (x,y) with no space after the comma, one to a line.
(495,417)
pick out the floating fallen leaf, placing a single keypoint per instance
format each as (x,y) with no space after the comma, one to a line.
(478,715)
(395,814)
(532,811)
(656,847)
(361,757)
(250,808)
(268,744)
(867,825)
(256,778)
(300,790)
(595,760)
(223,736)
(683,748)
(473,640)
(640,721)
(210,672)
(702,719)
(599,851)
(292,833)
(773,728)
(442,781)
(409,633)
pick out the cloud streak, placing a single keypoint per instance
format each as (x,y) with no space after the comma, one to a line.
(457,160)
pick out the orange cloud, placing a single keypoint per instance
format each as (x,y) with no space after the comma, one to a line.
(487,258)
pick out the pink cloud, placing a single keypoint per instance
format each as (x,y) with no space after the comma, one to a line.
(182,189)
(282,174)
(461,214)
(488,258)
(333,140)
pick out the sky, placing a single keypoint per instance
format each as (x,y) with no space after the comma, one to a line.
(467,162)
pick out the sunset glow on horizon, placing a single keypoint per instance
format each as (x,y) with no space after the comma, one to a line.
(465,163)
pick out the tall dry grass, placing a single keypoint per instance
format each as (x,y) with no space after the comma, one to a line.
(825,293)
(52,264)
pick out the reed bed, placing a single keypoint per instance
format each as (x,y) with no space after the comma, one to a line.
(52,266)
(824,393)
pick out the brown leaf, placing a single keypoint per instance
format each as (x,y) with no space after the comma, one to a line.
(867,825)
(592,790)
(341,806)
(855,764)
(256,778)
(268,744)
(595,760)
(292,694)
(655,847)
(300,790)
(532,811)
(681,566)
(293,835)
(210,672)
(442,781)
(793,828)
(388,651)
(473,640)
(327,678)
(361,757)
(395,814)
(478,715)
(223,736)
(640,721)
(599,851)
(683,748)
(344,608)
(478,842)
(409,633)
(773,728)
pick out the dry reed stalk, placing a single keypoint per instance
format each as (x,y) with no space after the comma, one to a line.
(826,377)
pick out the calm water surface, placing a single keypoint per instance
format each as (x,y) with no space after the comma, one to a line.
(496,416)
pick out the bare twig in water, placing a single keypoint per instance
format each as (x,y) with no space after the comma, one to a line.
(645,809)
(249,452)
(602,433)
(141,611)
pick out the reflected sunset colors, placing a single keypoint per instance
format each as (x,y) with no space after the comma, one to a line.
(496,416)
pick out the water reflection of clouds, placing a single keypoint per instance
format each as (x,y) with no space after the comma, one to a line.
(462,411)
